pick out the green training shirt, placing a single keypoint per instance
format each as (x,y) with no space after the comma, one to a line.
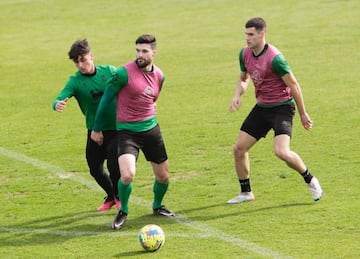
(88,90)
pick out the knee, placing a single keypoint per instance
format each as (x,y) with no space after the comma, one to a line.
(282,154)
(163,178)
(239,151)
(96,171)
(161,171)
(93,173)
(126,178)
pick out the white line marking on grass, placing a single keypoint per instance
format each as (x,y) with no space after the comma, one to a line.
(211,232)
(89,233)
(216,233)
(48,167)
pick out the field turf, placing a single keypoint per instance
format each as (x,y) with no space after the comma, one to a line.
(48,200)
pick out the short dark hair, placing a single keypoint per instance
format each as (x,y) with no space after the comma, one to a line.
(257,22)
(78,49)
(147,39)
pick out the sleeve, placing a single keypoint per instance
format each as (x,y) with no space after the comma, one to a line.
(162,82)
(118,80)
(112,69)
(241,61)
(280,65)
(67,92)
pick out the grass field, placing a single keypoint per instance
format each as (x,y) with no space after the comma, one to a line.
(48,200)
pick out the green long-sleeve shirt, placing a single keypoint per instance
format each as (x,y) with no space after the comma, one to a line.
(88,90)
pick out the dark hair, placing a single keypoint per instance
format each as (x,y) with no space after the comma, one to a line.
(257,22)
(78,49)
(147,39)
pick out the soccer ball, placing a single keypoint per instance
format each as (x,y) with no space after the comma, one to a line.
(151,237)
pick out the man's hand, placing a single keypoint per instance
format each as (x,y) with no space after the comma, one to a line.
(61,105)
(306,121)
(97,137)
(235,104)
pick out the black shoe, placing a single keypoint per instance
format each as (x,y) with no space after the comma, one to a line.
(162,211)
(119,220)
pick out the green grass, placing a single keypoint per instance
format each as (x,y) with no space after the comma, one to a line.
(47,197)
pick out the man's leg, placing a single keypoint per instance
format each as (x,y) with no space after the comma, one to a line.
(95,157)
(160,188)
(242,166)
(294,161)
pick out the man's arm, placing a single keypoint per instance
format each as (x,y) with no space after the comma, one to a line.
(290,80)
(241,87)
(113,86)
(59,104)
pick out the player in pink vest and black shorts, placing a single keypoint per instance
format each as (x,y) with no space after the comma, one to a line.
(137,86)
(277,91)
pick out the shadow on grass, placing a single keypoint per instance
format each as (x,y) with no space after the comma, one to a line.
(131,253)
(63,227)
(223,208)
(49,230)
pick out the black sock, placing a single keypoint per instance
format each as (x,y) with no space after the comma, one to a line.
(307,176)
(245,185)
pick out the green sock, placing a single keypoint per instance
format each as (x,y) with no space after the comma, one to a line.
(124,194)
(159,193)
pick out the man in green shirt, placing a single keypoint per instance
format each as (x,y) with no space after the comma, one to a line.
(87,85)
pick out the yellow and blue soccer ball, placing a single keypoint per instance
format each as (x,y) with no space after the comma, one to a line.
(151,237)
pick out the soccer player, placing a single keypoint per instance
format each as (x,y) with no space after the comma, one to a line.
(87,85)
(137,86)
(276,90)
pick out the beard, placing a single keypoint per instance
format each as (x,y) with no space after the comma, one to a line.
(141,63)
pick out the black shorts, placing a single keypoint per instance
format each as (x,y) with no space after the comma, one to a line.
(260,120)
(150,142)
